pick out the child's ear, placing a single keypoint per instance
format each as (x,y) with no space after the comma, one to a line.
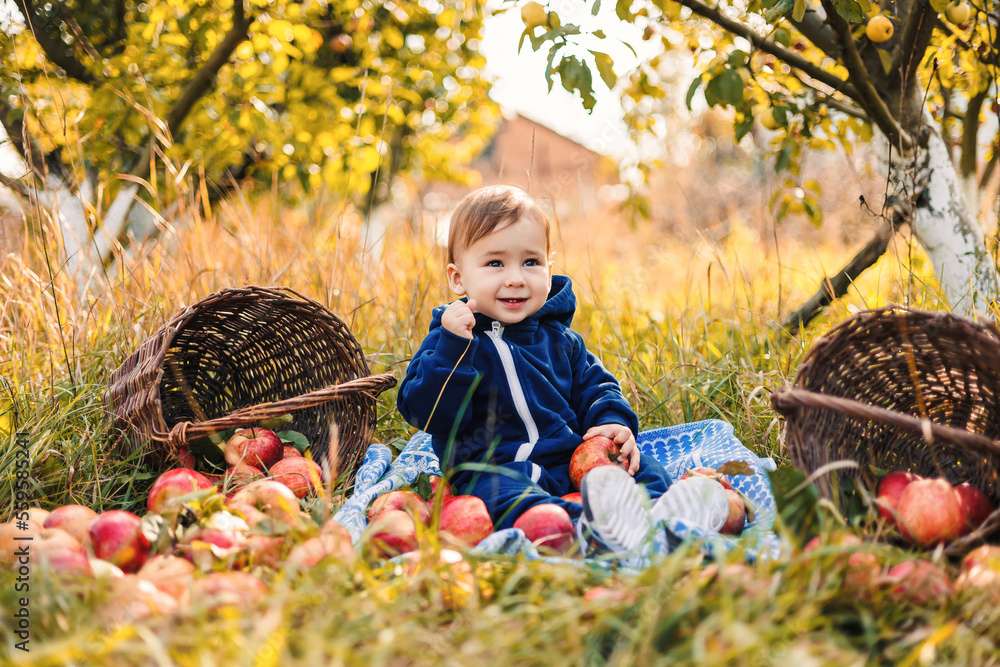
(455,280)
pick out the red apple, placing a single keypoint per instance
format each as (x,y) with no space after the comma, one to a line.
(449,572)
(974,504)
(466,520)
(549,528)
(273,498)
(74,519)
(987,555)
(11,544)
(737,514)
(238,476)
(262,550)
(290,452)
(38,515)
(438,482)
(863,570)
(592,453)
(711,473)
(920,581)
(575,497)
(60,552)
(217,589)
(173,484)
(928,512)
(392,533)
(117,537)
(400,500)
(133,600)
(316,549)
(259,447)
(303,476)
(186,458)
(890,488)
(104,570)
(170,574)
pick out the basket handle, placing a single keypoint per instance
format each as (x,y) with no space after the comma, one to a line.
(789,399)
(184,432)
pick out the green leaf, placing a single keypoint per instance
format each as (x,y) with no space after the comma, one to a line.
(737,58)
(599,34)
(605,65)
(784,157)
(782,36)
(422,487)
(596,8)
(849,9)
(799,10)
(272,423)
(797,502)
(778,10)
(731,87)
(296,439)
(692,89)
(520,42)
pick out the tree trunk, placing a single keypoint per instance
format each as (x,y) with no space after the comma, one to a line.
(950,234)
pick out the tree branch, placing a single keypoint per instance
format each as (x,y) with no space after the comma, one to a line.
(868,97)
(815,28)
(55,50)
(17,132)
(200,84)
(970,129)
(837,286)
(781,53)
(917,33)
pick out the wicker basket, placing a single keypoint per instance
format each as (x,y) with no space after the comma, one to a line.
(242,355)
(900,389)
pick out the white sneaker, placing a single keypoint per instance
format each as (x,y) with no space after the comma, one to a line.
(696,500)
(615,510)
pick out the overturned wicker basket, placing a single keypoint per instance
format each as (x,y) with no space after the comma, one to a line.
(240,356)
(900,389)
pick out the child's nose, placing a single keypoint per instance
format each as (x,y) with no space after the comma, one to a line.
(515,278)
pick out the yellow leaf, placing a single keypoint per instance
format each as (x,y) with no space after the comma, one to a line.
(174,39)
(393,37)
(279,29)
(366,160)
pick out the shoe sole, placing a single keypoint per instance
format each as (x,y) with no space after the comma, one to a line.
(695,500)
(614,507)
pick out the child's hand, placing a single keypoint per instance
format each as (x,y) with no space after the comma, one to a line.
(459,318)
(623,436)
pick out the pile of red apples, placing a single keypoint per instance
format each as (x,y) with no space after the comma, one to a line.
(929,512)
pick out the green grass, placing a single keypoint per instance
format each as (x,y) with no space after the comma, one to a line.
(691,331)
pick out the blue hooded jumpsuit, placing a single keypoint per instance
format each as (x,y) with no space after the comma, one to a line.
(532,390)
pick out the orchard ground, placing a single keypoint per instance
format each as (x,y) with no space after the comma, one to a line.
(690,328)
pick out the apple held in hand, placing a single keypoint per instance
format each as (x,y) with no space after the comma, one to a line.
(172,485)
(549,528)
(929,513)
(575,497)
(258,447)
(465,520)
(117,537)
(593,453)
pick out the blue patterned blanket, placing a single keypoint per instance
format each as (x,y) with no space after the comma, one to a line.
(707,443)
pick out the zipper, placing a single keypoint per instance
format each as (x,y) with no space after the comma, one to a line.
(516,391)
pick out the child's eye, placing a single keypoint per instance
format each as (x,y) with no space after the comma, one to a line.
(494,262)
(531,262)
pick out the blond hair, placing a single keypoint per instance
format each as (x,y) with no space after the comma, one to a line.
(487,209)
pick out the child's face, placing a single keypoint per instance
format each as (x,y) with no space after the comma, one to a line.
(506,272)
